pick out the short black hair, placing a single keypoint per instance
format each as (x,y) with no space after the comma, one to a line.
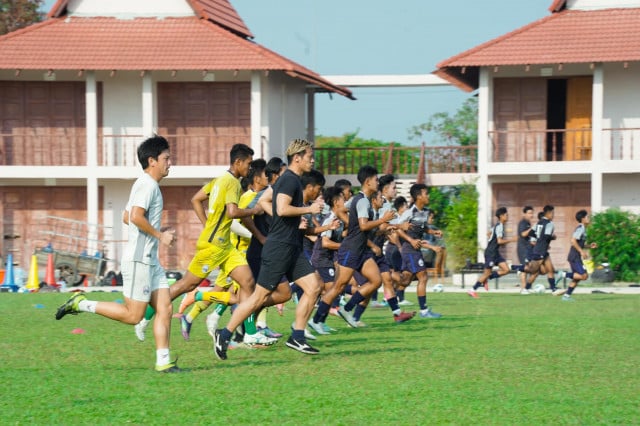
(151,148)
(366,172)
(274,166)
(342,184)
(385,180)
(416,189)
(331,195)
(313,177)
(255,169)
(501,211)
(548,208)
(540,215)
(526,209)
(240,151)
(581,214)
(399,202)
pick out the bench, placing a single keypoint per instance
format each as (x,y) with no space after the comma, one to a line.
(478,268)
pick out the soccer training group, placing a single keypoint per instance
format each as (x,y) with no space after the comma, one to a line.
(273,232)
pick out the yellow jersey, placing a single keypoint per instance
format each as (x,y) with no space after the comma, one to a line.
(223,190)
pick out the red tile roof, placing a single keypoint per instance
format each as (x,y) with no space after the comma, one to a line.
(568,36)
(150,44)
(220,12)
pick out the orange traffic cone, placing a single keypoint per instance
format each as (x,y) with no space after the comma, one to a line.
(33,283)
(50,277)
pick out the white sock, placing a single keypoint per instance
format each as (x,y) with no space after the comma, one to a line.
(162,356)
(87,306)
(397,312)
(261,324)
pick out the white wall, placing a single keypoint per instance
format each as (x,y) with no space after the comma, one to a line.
(601,4)
(622,87)
(621,190)
(116,194)
(129,9)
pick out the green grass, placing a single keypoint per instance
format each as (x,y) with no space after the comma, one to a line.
(501,359)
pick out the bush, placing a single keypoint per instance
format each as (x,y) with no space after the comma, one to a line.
(461,228)
(616,234)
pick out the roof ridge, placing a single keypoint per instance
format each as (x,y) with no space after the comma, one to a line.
(501,38)
(28,28)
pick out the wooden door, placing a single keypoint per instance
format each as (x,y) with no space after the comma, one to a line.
(578,126)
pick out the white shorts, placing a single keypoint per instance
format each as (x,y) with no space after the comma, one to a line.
(139,280)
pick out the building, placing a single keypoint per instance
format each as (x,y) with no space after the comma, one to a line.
(80,91)
(559,117)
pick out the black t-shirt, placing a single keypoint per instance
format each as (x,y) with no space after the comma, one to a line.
(285,229)
(523,242)
(492,250)
(356,239)
(544,231)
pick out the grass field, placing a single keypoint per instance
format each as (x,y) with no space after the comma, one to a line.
(501,359)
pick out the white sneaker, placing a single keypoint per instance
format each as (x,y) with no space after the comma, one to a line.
(212,323)
(524,291)
(317,327)
(348,317)
(140,328)
(258,339)
(559,292)
(405,302)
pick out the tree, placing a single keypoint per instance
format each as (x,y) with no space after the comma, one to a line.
(461,228)
(16,14)
(459,129)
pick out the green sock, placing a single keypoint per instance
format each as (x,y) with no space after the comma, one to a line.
(250,325)
(220,308)
(149,313)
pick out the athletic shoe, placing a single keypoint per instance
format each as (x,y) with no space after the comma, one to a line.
(428,314)
(220,346)
(269,332)
(361,324)
(403,316)
(212,323)
(473,294)
(405,302)
(559,291)
(568,298)
(524,292)
(303,347)
(140,328)
(307,334)
(171,367)
(326,328)
(347,316)
(334,312)
(185,327)
(258,339)
(71,305)
(377,304)
(559,275)
(317,327)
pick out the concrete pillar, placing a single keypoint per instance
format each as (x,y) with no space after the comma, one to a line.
(483,183)
(256,116)
(91,113)
(597,149)
(147,105)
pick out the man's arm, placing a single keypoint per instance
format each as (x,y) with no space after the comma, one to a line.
(196,202)
(138,219)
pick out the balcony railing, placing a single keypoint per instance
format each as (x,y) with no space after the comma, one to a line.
(623,144)
(540,145)
(398,160)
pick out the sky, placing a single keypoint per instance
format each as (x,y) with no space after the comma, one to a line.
(359,37)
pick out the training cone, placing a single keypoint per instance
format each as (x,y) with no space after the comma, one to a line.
(9,283)
(50,277)
(33,283)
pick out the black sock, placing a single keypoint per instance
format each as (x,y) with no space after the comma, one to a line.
(393,303)
(422,301)
(400,295)
(570,290)
(358,311)
(355,299)
(321,312)
(552,283)
(225,335)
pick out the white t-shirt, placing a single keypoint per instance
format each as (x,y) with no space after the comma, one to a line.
(145,193)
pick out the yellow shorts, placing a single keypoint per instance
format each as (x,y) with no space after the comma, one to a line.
(207,259)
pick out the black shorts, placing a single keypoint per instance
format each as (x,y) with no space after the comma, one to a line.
(280,259)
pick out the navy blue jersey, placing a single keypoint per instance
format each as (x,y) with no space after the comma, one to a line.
(492,246)
(419,220)
(544,234)
(580,235)
(356,239)
(323,257)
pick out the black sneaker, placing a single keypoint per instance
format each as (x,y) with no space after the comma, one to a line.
(220,346)
(303,347)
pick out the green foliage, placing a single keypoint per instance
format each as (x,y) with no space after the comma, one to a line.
(616,234)
(501,361)
(16,14)
(346,154)
(459,129)
(461,226)
(439,200)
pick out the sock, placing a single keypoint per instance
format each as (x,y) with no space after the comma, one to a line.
(393,304)
(528,286)
(494,275)
(198,307)
(400,295)
(570,290)
(261,321)
(214,296)
(298,335)
(569,275)
(520,268)
(422,301)
(552,283)
(358,311)
(477,285)
(225,334)
(149,313)
(374,296)
(250,324)
(87,306)
(336,302)
(322,312)
(220,308)
(355,299)
(162,356)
